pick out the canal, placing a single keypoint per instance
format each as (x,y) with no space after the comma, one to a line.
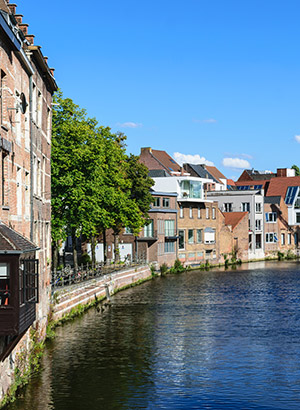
(199,340)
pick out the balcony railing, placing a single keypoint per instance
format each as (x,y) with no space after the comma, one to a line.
(148,235)
(170,233)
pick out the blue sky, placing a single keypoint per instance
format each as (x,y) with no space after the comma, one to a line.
(214,78)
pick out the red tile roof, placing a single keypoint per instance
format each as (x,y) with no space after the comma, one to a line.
(234,218)
(215,172)
(156,159)
(230,182)
(278,186)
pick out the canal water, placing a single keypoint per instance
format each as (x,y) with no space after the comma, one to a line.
(199,340)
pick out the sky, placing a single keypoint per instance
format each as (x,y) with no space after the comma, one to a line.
(210,81)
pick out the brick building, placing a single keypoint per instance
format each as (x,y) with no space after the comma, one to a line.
(26,89)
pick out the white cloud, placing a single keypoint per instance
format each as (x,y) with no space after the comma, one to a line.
(297,138)
(130,124)
(236,163)
(207,121)
(192,159)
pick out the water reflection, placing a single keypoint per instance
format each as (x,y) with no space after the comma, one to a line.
(201,340)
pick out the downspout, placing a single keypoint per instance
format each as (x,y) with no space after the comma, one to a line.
(31,155)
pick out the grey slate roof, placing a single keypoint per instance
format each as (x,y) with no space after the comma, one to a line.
(202,172)
(13,242)
(156,173)
(275,200)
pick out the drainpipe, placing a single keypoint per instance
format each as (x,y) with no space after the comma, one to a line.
(31,156)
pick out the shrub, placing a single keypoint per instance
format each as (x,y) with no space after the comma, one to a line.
(85,259)
(280,256)
(163,269)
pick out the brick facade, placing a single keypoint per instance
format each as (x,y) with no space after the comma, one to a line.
(26,90)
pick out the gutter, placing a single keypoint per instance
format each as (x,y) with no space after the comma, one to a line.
(31,156)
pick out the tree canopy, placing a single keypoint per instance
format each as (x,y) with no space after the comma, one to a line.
(95,184)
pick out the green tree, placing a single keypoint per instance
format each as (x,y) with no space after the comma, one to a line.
(75,147)
(297,170)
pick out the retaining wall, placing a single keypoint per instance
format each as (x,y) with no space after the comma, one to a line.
(68,298)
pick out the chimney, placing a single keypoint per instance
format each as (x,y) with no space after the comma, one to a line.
(46,59)
(19,18)
(30,38)
(12,8)
(52,71)
(24,28)
(146,149)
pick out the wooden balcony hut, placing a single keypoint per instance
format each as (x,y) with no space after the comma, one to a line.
(18,282)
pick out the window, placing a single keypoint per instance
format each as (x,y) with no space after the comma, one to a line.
(192,255)
(191,236)
(258,242)
(282,239)
(245,206)
(191,212)
(213,213)
(156,202)
(127,230)
(191,189)
(298,217)
(161,226)
(169,247)
(199,212)
(207,213)
(148,230)
(39,109)
(289,240)
(19,191)
(296,238)
(4,185)
(271,217)
(4,284)
(166,202)
(199,235)
(28,281)
(181,239)
(181,211)
(209,235)
(2,110)
(271,237)
(170,227)
(228,207)
(258,224)
(258,207)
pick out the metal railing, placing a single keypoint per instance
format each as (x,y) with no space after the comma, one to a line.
(69,276)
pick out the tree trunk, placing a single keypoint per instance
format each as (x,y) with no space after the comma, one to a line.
(93,247)
(104,246)
(75,256)
(116,246)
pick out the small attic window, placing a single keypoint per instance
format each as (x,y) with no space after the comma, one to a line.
(172,160)
(171,169)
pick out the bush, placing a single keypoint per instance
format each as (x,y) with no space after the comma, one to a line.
(163,269)
(178,267)
(280,256)
(85,259)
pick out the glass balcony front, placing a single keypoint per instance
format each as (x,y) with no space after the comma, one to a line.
(191,189)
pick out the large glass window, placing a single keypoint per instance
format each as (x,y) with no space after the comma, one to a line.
(191,189)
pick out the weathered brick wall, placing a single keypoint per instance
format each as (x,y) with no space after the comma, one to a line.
(86,292)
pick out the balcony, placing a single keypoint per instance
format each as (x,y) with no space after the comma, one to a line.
(148,235)
(171,233)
